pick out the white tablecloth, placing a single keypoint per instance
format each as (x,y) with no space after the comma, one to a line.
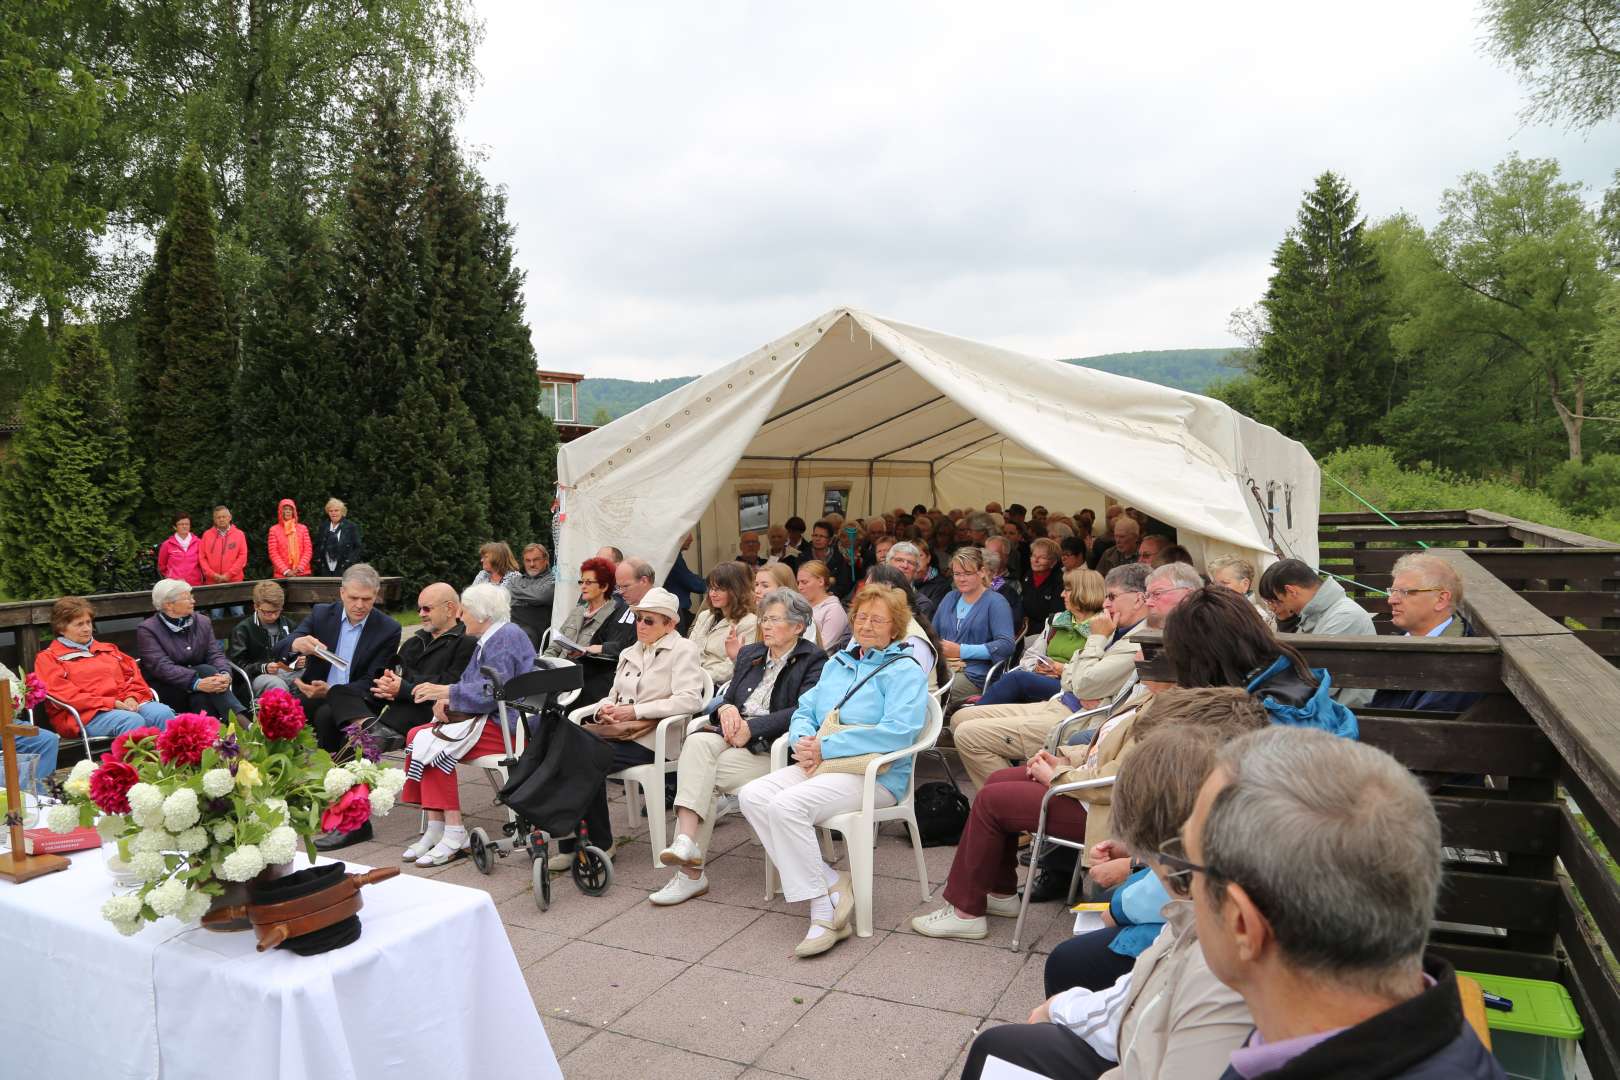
(431,989)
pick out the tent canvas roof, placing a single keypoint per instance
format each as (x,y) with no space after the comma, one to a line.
(957,417)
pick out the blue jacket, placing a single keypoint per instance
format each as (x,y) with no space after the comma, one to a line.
(1138,910)
(507,651)
(989,623)
(892,708)
(1432,700)
(683,582)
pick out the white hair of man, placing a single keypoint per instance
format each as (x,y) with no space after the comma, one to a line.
(364,576)
(641,569)
(1434,572)
(1178,575)
(487,602)
(905,547)
(168,591)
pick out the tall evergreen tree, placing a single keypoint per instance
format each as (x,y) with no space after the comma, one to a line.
(1325,348)
(68,494)
(418,459)
(479,292)
(151,319)
(291,437)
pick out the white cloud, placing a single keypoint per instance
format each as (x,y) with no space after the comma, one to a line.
(689,181)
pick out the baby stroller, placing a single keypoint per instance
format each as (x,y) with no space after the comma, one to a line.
(546,784)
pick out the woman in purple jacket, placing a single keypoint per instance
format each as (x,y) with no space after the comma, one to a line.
(180,657)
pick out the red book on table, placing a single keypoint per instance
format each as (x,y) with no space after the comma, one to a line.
(45,842)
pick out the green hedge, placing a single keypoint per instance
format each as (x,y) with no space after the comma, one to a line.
(1372,473)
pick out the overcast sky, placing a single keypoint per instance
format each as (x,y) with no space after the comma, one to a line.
(689,181)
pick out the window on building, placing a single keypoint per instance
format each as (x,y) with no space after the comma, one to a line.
(753,512)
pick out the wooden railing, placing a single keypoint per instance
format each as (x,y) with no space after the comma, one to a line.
(1566,575)
(25,624)
(1526,781)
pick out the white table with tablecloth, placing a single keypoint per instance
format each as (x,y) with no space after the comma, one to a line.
(431,989)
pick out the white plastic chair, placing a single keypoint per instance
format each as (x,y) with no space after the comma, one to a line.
(648,780)
(859,827)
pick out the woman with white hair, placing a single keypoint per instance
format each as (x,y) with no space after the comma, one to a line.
(180,657)
(461,725)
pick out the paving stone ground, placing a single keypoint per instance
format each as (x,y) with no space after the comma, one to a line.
(710,988)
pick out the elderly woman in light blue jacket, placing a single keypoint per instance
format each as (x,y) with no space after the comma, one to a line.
(879,693)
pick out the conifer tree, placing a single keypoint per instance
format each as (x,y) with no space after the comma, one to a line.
(151,319)
(1325,351)
(290,438)
(69,492)
(418,459)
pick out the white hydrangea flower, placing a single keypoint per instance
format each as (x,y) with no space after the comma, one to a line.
(280,846)
(192,840)
(243,864)
(337,781)
(62,818)
(82,769)
(223,831)
(391,781)
(148,866)
(158,840)
(144,796)
(110,826)
(217,783)
(168,898)
(78,781)
(196,906)
(381,803)
(180,810)
(129,928)
(121,909)
(149,817)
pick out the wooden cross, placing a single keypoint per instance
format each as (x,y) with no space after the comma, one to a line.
(17,864)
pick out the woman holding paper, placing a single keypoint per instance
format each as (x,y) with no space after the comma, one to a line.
(590,628)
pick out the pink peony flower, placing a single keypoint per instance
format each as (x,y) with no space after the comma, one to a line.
(350,812)
(34,692)
(281,716)
(110,784)
(186,737)
(121,742)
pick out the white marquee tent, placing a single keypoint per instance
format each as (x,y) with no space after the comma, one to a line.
(869,414)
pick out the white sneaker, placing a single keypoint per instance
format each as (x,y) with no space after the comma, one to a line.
(439,854)
(683,852)
(725,805)
(680,889)
(1005,907)
(945,924)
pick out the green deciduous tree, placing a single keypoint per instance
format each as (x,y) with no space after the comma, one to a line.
(1323,347)
(68,495)
(1567,51)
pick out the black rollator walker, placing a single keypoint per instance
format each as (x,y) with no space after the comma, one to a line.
(545,779)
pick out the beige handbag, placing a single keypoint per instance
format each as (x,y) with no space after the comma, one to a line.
(832,725)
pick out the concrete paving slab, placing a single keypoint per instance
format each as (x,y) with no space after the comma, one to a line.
(725,1014)
(593,984)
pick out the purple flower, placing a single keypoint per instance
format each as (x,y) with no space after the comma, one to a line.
(361,739)
(229,749)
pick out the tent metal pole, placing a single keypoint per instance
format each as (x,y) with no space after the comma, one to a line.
(874,427)
(795,488)
(931,438)
(969,446)
(933,489)
(871,472)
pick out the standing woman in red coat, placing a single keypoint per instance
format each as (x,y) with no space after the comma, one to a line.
(290,552)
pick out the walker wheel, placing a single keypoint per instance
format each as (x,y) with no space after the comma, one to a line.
(483,856)
(542,885)
(593,870)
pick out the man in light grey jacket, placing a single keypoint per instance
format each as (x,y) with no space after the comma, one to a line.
(1291,588)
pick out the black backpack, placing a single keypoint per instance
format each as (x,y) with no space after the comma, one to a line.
(942,813)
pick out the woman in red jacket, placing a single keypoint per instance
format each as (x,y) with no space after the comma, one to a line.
(100,682)
(290,553)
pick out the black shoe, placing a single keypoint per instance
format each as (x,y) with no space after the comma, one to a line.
(332,841)
(1049,853)
(388,740)
(1051,885)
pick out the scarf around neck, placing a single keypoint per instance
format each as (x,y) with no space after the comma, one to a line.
(179,627)
(291,530)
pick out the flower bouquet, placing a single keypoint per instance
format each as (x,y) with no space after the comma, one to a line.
(25,693)
(200,806)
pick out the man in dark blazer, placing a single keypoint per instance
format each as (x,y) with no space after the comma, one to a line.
(354,630)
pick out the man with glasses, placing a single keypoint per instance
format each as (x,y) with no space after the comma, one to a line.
(364,638)
(992,737)
(437,653)
(1324,935)
(1424,601)
(1294,591)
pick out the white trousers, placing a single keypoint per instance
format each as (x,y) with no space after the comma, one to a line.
(784,806)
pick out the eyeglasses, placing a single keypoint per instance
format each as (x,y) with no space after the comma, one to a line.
(647,620)
(772,620)
(1395,594)
(423,609)
(1179,865)
(1154,594)
(865,619)
(1124,592)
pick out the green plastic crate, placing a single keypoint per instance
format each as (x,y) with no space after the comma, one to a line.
(1536,1041)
